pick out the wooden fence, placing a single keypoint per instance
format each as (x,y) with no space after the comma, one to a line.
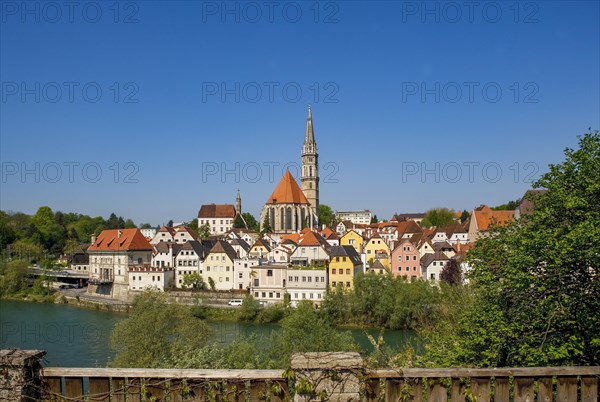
(563,384)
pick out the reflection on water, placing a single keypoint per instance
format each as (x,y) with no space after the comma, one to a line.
(75,337)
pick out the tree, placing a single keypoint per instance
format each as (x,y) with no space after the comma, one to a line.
(211,283)
(535,281)
(129,224)
(147,226)
(304,330)
(374,219)
(43,220)
(508,206)
(170,223)
(325,215)
(14,278)
(204,231)
(156,333)
(464,216)
(251,221)
(451,273)
(438,217)
(249,309)
(194,280)
(266,227)
(238,222)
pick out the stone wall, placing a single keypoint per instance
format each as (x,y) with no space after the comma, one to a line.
(20,374)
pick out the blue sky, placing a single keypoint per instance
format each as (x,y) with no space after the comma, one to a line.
(409,99)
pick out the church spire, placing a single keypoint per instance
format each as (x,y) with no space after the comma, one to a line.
(238,203)
(309,138)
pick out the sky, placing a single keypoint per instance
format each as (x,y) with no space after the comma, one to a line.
(150,109)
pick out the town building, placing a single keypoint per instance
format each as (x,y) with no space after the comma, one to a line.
(312,249)
(306,283)
(112,255)
(219,217)
(344,265)
(219,266)
(483,217)
(406,260)
(144,278)
(362,217)
(188,260)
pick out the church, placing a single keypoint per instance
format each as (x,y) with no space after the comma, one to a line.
(289,208)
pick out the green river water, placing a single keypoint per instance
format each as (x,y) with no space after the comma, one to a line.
(77,337)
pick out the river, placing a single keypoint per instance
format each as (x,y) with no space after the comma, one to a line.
(77,337)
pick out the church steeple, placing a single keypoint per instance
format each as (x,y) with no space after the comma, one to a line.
(238,203)
(310,165)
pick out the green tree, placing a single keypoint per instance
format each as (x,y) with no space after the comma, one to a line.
(204,231)
(438,217)
(156,334)
(464,216)
(536,287)
(238,222)
(249,309)
(325,215)
(43,220)
(304,330)
(251,221)
(211,283)
(129,224)
(266,227)
(374,219)
(149,226)
(14,278)
(508,206)
(194,280)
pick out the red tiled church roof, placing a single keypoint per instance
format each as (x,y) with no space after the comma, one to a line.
(287,192)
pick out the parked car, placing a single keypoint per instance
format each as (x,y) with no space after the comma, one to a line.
(235,302)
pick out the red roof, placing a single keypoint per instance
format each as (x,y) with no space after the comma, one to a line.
(485,217)
(287,192)
(216,211)
(121,240)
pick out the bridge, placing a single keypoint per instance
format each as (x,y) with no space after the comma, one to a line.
(71,277)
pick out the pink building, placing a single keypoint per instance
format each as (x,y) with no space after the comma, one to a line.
(406,260)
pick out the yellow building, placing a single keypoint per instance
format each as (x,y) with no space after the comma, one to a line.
(344,264)
(260,249)
(376,249)
(352,238)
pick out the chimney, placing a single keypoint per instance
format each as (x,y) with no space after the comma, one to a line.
(93,239)
(119,233)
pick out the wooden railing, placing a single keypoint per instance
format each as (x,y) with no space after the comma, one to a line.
(568,384)
(103,384)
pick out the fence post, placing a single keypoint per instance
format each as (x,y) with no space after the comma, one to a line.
(20,374)
(332,376)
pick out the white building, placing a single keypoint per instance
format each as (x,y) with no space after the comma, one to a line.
(142,278)
(149,233)
(359,217)
(188,260)
(432,265)
(164,234)
(269,282)
(219,217)
(306,284)
(164,253)
(111,256)
(312,249)
(244,272)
